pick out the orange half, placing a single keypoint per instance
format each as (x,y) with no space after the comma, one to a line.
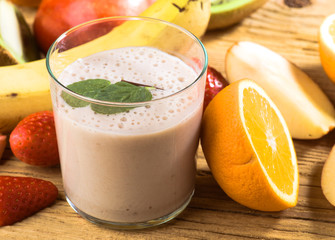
(249,149)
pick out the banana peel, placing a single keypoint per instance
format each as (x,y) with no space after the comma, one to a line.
(25,87)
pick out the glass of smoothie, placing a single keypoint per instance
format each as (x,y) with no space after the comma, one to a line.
(127,96)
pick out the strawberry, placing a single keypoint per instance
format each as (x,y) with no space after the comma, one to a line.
(33,140)
(215,82)
(21,197)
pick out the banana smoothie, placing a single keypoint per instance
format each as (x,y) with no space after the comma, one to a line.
(137,164)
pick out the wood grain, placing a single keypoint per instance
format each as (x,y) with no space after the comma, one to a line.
(292,32)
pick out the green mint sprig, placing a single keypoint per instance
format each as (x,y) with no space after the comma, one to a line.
(102,89)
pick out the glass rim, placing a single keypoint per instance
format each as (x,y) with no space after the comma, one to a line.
(133,18)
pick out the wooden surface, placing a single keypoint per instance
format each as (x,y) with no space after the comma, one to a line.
(291,32)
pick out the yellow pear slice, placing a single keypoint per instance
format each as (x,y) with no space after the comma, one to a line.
(328,178)
(306,109)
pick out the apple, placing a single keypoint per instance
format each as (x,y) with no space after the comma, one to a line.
(55,17)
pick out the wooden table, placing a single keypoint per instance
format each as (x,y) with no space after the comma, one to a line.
(211,214)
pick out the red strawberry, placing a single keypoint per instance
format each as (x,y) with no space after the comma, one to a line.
(21,197)
(33,140)
(215,82)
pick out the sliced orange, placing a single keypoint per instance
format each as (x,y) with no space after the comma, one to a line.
(327,46)
(249,149)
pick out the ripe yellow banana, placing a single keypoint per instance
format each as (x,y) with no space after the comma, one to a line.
(24,90)
(25,87)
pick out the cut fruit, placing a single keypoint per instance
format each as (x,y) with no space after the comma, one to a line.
(308,112)
(248,148)
(327,46)
(328,177)
(225,13)
(17,44)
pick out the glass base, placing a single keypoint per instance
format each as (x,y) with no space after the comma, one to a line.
(131,225)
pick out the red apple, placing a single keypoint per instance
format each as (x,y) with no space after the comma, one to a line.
(55,17)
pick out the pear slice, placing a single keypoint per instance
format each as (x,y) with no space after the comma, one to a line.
(328,177)
(17,44)
(307,111)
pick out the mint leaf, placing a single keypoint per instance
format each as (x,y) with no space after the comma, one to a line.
(87,88)
(101,89)
(122,92)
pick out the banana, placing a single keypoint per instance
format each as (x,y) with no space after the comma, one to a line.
(192,15)
(225,13)
(24,90)
(25,87)
(306,109)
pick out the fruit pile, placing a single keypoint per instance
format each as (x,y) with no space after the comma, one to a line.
(249,118)
(31,96)
(33,141)
(50,23)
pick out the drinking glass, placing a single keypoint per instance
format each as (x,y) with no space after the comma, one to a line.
(128,164)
